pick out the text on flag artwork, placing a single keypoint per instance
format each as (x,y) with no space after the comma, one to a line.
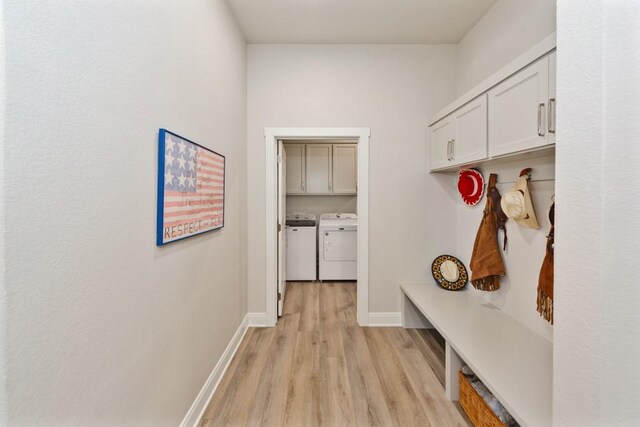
(190,188)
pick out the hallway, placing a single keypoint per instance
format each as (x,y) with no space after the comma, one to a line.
(318,367)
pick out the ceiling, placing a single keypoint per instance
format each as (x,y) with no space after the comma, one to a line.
(357,21)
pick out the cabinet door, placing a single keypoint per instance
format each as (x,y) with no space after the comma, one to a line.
(551,106)
(295,168)
(441,137)
(470,137)
(345,167)
(319,169)
(517,111)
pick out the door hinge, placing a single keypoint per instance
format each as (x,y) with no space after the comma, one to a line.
(279,158)
(279,228)
(279,296)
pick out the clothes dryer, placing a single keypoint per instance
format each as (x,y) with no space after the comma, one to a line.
(337,246)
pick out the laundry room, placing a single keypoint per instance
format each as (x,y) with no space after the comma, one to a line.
(321,210)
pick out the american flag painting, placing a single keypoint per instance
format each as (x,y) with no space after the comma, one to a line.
(190,188)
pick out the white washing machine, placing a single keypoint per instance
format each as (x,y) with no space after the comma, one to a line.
(300,232)
(337,246)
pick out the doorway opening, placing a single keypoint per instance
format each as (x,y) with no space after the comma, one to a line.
(320,144)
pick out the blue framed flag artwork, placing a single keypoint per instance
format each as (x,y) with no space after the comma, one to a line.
(191,188)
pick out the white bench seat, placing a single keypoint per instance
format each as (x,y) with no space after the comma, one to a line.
(515,363)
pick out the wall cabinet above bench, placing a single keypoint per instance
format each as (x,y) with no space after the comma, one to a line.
(321,169)
(515,115)
(461,137)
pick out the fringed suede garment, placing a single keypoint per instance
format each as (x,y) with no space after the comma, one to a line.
(486,261)
(545,281)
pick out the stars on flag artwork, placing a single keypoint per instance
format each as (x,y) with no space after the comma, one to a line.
(190,188)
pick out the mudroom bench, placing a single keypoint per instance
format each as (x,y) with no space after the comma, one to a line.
(511,360)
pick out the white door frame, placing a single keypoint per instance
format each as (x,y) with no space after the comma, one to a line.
(271,136)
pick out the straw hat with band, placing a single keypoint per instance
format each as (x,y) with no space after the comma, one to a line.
(517,203)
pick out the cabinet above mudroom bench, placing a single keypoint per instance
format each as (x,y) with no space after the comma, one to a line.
(510,113)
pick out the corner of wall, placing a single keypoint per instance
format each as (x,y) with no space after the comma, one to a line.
(500,36)
(243,273)
(3,299)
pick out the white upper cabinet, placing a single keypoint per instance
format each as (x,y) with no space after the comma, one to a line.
(322,169)
(345,166)
(551,105)
(470,139)
(461,137)
(441,135)
(319,174)
(512,111)
(518,111)
(295,168)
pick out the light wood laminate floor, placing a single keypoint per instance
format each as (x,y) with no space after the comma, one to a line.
(317,367)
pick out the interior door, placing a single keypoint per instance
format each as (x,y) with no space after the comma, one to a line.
(282,209)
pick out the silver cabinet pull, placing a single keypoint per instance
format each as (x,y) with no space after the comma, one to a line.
(541,131)
(302,185)
(449,149)
(453,149)
(552,116)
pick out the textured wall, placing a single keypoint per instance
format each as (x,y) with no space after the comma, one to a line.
(597,332)
(393,89)
(507,30)
(3,270)
(104,328)
(525,248)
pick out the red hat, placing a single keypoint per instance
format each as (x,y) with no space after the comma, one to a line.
(470,186)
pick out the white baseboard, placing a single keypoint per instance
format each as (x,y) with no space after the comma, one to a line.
(257,320)
(195,413)
(392,319)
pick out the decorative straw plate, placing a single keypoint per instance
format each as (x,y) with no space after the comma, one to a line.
(449,272)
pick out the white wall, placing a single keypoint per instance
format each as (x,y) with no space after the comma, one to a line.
(3,270)
(507,30)
(393,89)
(318,205)
(105,328)
(597,332)
(525,247)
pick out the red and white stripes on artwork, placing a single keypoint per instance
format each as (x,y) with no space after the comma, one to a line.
(187,213)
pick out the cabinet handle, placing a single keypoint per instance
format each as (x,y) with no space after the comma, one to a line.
(302,185)
(330,186)
(552,115)
(541,131)
(449,150)
(453,149)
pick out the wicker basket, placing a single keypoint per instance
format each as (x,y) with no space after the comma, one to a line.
(475,407)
